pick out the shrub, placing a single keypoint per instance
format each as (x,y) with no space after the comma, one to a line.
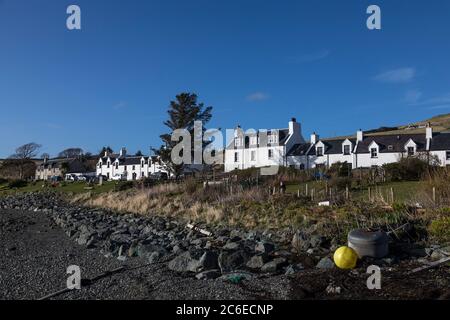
(17,184)
(439,229)
(408,169)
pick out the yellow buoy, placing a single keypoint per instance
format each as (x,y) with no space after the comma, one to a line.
(345,258)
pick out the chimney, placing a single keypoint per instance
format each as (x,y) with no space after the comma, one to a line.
(359,135)
(123,152)
(106,153)
(429,132)
(314,138)
(45,159)
(294,127)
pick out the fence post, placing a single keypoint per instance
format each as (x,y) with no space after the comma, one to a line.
(370,197)
(346,193)
(434,195)
(298,193)
(306,189)
(392,195)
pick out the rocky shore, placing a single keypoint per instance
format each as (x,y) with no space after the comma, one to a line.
(233,256)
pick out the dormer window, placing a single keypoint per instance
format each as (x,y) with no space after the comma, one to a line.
(108,164)
(237,142)
(319,151)
(346,150)
(142,164)
(374,153)
(117,166)
(410,151)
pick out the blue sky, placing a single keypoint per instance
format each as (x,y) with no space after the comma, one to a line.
(258,63)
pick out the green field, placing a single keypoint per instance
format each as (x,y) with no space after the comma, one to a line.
(66,187)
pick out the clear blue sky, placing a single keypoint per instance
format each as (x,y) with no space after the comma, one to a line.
(258,63)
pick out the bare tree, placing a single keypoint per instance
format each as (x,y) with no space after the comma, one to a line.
(24,154)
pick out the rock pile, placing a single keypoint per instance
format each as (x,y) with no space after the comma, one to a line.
(156,238)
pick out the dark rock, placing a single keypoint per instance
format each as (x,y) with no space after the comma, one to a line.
(274,265)
(230,261)
(294,268)
(231,246)
(325,263)
(256,262)
(264,247)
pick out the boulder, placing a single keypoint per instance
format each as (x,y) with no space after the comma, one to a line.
(274,265)
(264,247)
(294,268)
(256,262)
(230,261)
(325,263)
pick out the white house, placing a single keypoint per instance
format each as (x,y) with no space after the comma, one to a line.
(128,167)
(262,148)
(286,147)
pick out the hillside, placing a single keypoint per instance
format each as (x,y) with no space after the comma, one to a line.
(439,123)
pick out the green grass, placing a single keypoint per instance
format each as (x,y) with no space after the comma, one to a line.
(65,187)
(403,191)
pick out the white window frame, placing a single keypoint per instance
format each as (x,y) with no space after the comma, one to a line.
(374,153)
(319,154)
(270,153)
(349,150)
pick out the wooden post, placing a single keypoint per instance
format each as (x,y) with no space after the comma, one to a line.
(312,194)
(370,198)
(434,195)
(346,193)
(306,190)
(298,193)
(392,195)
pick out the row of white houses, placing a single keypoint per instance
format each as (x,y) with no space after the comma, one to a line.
(121,166)
(287,147)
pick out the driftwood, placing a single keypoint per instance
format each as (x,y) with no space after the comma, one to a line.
(202,231)
(431,265)
(84,282)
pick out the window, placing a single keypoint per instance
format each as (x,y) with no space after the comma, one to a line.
(108,165)
(117,166)
(319,151)
(390,147)
(253,140)
(134,167)
(447,155)
(347,149)
(410,151)
(142,164)
(253,155)
(236,157)
(373,153)
(237,142)
(270,154)
(272,138)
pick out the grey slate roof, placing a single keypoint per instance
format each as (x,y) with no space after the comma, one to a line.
(301,150)
(392,143)
(335,146)
(440,141)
